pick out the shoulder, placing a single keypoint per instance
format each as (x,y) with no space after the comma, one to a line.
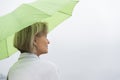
(51,70)
(40,68)
(46,64)
(49,66)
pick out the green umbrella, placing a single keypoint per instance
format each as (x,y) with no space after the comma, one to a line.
(53,12)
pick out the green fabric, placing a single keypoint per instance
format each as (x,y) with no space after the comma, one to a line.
(53,12)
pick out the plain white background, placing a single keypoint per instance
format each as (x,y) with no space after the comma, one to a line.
(87,45)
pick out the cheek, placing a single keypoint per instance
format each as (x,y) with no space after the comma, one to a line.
(39,44)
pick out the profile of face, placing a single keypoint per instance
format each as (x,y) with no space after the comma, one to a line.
(41,44)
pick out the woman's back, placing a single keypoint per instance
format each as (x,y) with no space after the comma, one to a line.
(30,67)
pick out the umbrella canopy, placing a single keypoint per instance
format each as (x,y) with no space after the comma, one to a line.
(53,12)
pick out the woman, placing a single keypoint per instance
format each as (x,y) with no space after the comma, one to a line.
(32,42)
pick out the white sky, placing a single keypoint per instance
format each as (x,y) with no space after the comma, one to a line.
(87,45)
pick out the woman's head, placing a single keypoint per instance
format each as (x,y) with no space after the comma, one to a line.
(31,39)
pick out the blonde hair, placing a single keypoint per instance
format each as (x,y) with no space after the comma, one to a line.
(23,40)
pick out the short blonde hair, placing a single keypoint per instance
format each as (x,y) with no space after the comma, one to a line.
(23,40)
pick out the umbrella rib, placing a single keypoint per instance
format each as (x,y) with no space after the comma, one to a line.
(65,13)
(36,8)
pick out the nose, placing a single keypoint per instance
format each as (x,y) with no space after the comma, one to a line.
(48,41)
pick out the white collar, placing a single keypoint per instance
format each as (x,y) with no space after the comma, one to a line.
(28,56)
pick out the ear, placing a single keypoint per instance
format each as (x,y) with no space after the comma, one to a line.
(34,41)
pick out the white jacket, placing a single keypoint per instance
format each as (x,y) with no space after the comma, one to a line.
(30,67)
